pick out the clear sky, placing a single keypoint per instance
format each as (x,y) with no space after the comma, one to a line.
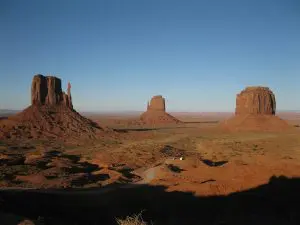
(198,54)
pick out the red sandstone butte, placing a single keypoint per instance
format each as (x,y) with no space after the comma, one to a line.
(157,103)
(255,111)
(256,100)
(50,115)
(156,113)
(48,91)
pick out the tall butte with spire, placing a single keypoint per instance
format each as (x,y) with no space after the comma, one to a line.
(47,91)
(156,112)
(255,111)
(50,115)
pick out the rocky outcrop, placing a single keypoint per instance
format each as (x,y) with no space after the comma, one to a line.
(54,96)
(157,103)
(50,115)
(70,105)
(48,91)
(256,101)
(255,111)
(39,90)
(156,113)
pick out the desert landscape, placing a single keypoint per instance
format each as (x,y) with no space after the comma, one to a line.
(61,167)
(159,112)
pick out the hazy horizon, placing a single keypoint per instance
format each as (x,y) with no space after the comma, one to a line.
(4,111)
(118,54)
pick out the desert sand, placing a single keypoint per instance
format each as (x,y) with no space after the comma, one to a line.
(62,167)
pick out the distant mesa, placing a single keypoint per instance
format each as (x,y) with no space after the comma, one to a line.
(156,113)
(157,103)
(50,115)
(256,101)
(255,111)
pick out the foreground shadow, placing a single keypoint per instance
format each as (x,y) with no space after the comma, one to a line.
(276,202)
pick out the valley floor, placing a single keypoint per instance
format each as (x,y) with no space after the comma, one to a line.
(193,173)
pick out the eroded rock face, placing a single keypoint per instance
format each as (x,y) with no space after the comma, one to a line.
(157,103)
(54,96)
(69,96)
(256,101)
(48,91)
(39,90)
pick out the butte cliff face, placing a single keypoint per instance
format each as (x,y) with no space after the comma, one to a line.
(256,101)
(156,113)
(50,115)
(255,111)
(157,103)
(48,91)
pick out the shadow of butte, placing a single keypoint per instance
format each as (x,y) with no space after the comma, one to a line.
(276,202)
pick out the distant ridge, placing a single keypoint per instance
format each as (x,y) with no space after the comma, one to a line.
(8,112)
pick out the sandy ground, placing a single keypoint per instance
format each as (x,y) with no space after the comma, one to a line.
(147,159)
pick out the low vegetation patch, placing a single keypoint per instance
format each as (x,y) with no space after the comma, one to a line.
(132,220)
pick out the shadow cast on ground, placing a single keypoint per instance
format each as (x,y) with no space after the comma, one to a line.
(126,130)
(200,122)
(213,163)
(52,165)
(276,202)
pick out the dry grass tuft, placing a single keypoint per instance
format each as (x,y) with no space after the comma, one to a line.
(135,219)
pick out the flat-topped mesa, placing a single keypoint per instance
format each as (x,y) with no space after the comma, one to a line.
(256,101)
(157,103)
(46,90)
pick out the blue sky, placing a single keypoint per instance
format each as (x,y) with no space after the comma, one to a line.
(117,54)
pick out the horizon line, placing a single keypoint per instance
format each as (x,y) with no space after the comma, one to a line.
(139,111)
